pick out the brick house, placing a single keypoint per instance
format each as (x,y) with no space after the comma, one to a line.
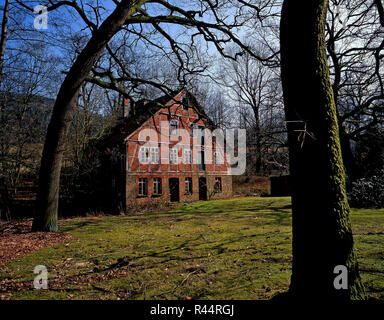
(161,153)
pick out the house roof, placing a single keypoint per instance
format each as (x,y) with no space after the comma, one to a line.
(143,110)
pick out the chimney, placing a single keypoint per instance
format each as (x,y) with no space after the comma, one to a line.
(126,108)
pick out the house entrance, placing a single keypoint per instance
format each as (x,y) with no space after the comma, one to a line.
(203,189)
(174,189)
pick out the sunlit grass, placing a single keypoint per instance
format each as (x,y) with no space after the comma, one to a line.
(224,249)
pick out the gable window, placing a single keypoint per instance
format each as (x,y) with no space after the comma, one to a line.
(157,186)
(185,103)
(192,128)
(218,185)
(188,185)
(173,155)
(144,155)
(155,155)
(173,127)
(187,156)
(142,187)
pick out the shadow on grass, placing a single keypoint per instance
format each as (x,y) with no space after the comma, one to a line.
(268,209)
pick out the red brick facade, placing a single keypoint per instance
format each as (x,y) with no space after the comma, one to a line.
(155,173)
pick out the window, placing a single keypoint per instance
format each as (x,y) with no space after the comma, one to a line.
(187,156)
(185,102)
(155,157)
(143,187)
(218,186)
(146,152)
(188,185)
(217,158)
(157,188)
(201,135)
(144,155)
(192,128)
(173,156)
(173,127)
(201,160)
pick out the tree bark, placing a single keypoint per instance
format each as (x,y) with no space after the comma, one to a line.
(46,217)
(4,36)
(322,235)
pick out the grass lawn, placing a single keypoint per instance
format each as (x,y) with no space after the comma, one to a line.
(225,249)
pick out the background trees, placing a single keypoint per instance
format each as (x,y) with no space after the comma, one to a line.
(132,23)
(132,49)
(3,36)
(156,52)
(29,74)
(354,46)
(255,92)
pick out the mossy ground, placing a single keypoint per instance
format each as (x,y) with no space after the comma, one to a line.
(225,249)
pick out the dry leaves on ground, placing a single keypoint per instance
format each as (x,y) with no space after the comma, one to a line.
(17,240)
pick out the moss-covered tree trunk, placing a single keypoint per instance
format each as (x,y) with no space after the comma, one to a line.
(322,236)
(49,179)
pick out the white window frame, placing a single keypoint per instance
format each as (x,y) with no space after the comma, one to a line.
(173,155)
(193,126)
(188,185)
(157,186)
(218,182)
(187,156)
(174,127)
(144,154)
(142,186)
(217,158)
(155,155)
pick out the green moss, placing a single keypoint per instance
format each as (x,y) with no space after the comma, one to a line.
(206,250)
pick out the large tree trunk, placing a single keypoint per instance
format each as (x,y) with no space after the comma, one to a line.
(49,179)
(322,236)
(4,35)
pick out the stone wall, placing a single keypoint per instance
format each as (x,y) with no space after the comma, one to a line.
(133,199)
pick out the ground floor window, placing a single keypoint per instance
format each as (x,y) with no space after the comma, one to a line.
(188,185)
(157,188)
(218,185)
(143,187)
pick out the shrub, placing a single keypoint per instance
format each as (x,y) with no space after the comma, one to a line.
(368,192)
